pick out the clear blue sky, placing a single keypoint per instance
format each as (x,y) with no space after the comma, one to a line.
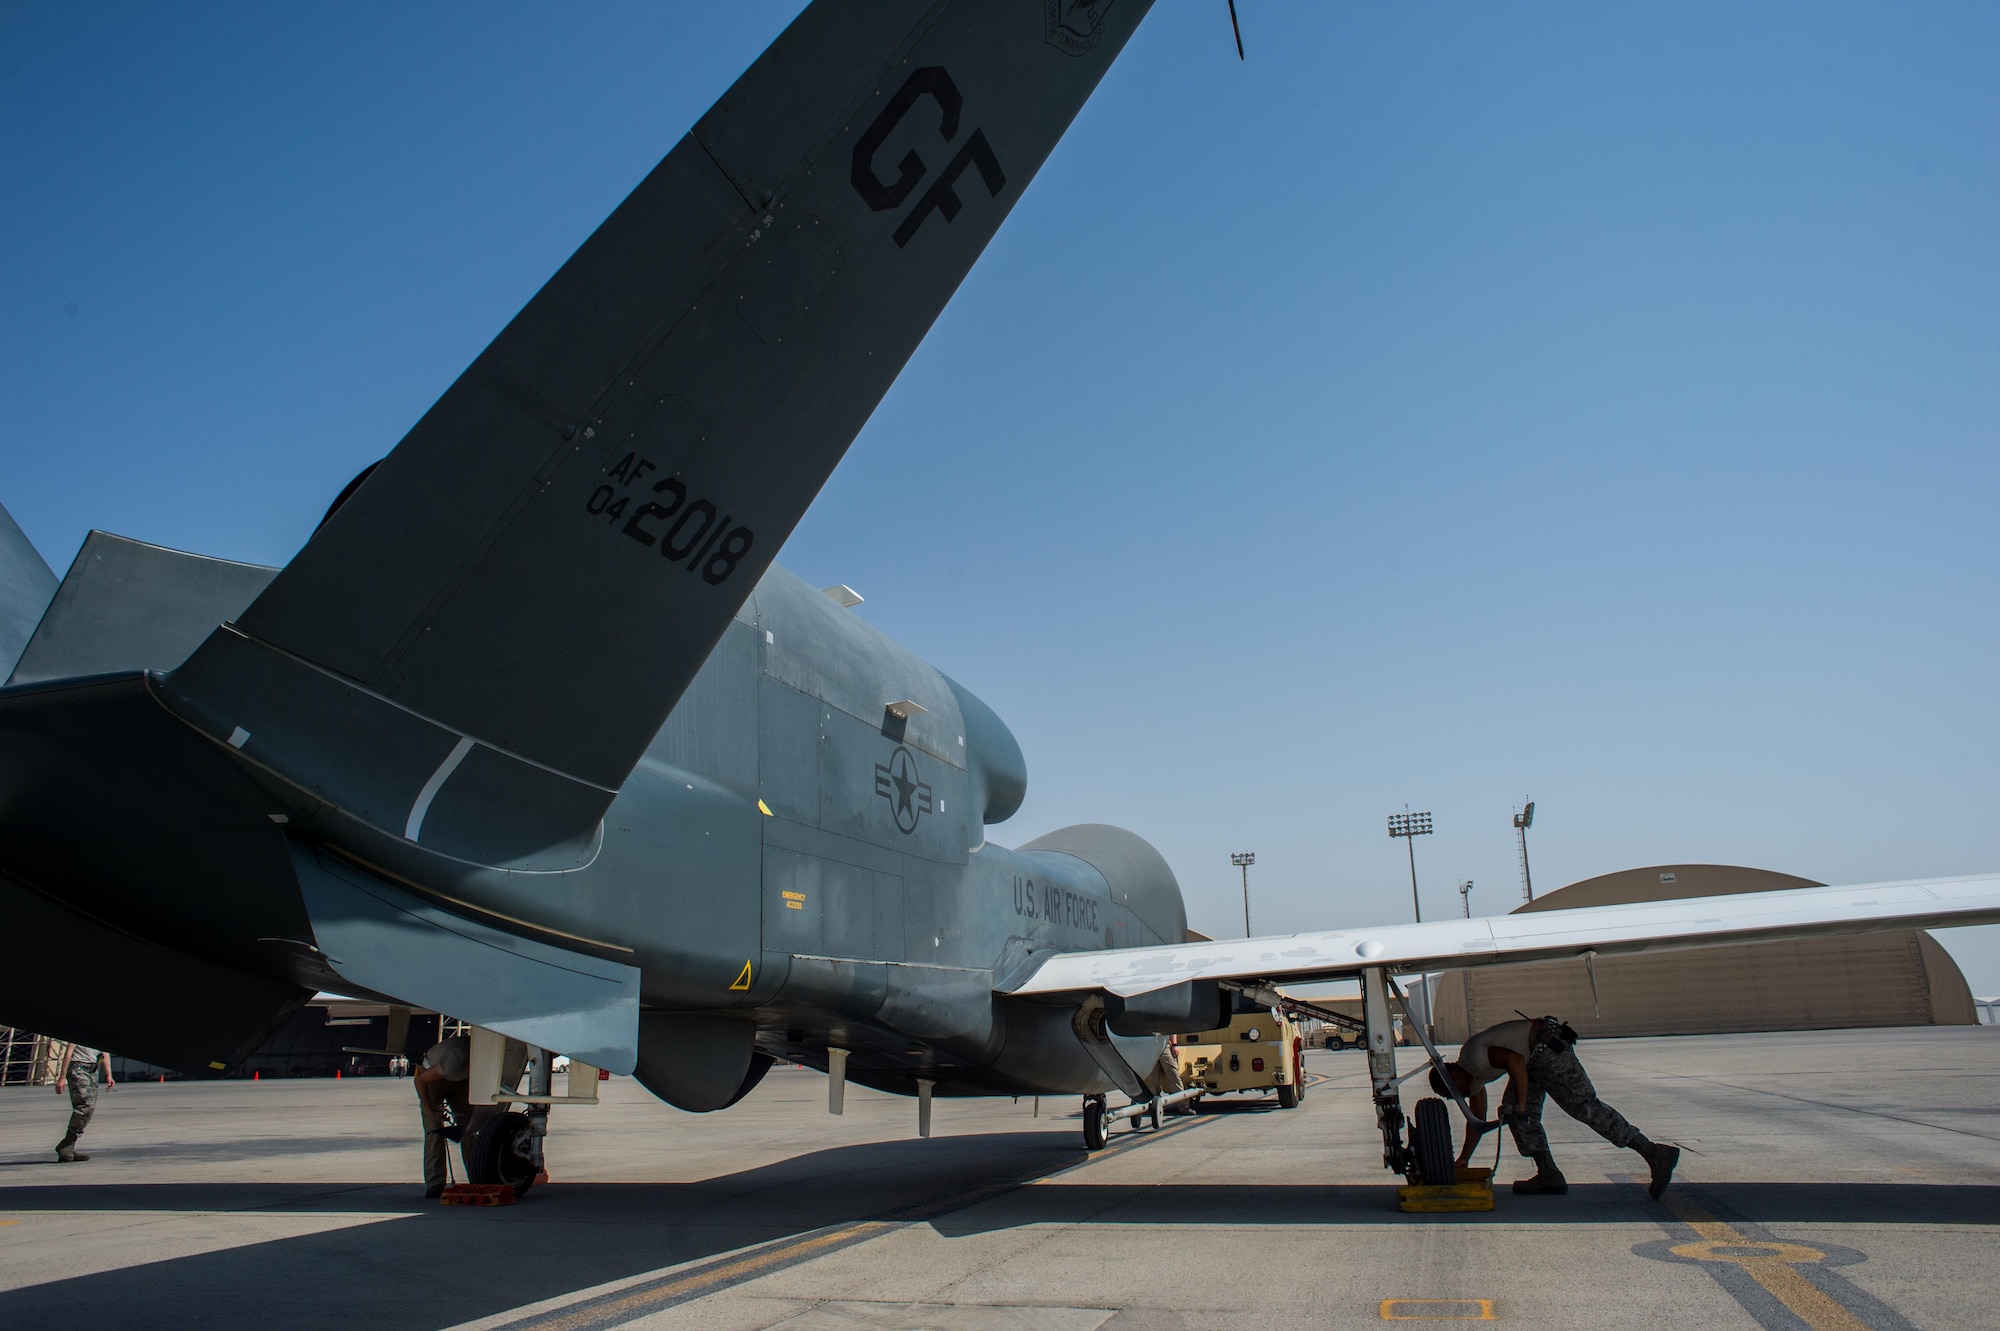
(1455,402)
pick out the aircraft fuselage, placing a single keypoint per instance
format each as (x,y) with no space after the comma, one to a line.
(799,861)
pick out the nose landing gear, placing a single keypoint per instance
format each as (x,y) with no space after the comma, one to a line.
(1093,1123)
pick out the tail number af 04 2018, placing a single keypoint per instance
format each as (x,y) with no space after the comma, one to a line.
(681,529)
(942,197)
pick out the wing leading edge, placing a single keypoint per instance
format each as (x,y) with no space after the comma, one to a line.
(1751,917)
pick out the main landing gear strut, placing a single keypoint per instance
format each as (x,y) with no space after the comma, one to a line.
(507,1147)
(1428,1156)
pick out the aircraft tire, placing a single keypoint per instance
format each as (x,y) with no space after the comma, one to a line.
(1431,1135)
(1093,1125)
(1288,1096)
(499,1153)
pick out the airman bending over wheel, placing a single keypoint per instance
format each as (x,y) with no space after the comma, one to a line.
(1538,1058)
(442,1082)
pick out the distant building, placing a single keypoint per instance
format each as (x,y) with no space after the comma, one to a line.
(1878,979)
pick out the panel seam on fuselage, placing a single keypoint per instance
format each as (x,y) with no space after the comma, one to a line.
(347,681)
(913,965)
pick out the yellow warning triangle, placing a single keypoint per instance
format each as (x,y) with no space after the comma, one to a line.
(743,980)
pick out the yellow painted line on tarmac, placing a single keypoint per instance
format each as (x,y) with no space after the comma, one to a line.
(1771,1265)
(5,1223)
(1437,1310)
(613,1309)
(616,1309)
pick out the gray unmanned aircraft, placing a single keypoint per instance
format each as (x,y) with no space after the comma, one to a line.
(532,732)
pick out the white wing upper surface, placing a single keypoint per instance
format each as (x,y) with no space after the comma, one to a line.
(1646,926)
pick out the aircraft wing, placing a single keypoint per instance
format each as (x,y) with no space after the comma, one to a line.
(1646,926)
(516,597)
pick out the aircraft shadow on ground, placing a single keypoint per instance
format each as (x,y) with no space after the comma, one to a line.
(433,1266)
(1375,1204)
(223,1153)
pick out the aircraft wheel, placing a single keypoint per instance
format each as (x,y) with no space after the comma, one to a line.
(501,1151)
(1288,1096)
(1431,1135)
(1093,1125)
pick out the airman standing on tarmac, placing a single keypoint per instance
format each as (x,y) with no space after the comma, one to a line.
(79,1064)
(1166,1078)
(1538,1058)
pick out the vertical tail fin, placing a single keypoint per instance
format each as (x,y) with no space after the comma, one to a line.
(27,584)
(504,613)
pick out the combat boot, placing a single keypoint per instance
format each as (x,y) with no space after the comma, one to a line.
(1547,1182)
(1662,1158)
(67,1153)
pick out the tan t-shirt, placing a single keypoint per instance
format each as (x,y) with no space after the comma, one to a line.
(1472,1056)
(452,1057)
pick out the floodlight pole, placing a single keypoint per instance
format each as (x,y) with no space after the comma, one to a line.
(1410,826)
(1416,902)
(1243,859)
(1465,896)
(1522,822)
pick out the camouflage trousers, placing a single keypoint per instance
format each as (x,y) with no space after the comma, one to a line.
(436,1145)
(82,1099)
(1560,1077)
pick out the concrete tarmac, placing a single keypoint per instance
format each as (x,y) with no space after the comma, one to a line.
(1835,1179)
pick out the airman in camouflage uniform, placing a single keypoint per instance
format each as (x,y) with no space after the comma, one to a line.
(1555,1073)
(1538,1058)
(80,1079)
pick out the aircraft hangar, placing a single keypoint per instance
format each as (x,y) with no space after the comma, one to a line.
(1880,979)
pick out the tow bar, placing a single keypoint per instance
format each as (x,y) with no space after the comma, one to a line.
(1154,1107)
